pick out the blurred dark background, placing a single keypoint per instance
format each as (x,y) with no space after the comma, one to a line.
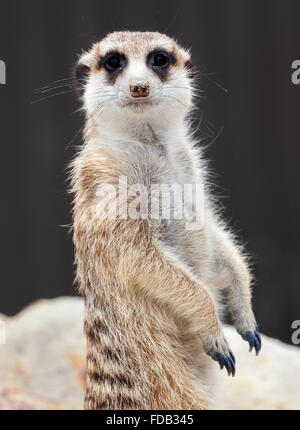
(250,119)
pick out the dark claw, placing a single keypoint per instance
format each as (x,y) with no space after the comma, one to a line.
(232,366)
(254,340)
(229,364)
(251,339)
(223,360)
(220,358)
(258,341)
(232,356)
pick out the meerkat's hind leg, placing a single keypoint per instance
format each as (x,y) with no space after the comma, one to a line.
(170,282)
(224,356)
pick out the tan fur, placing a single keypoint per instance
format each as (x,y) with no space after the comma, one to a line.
(151,290)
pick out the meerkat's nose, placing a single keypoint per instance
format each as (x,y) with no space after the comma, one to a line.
(140,89)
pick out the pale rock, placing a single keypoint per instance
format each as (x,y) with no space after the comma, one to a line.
(42,365)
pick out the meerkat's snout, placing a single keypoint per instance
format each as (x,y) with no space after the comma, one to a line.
(139,89)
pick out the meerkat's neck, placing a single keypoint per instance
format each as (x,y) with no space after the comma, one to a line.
(149,129)
(168,137)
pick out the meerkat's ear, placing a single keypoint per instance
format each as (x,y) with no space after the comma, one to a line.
(186,55)
(82,71)
(189,64)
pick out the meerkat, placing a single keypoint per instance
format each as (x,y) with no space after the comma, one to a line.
(152,287)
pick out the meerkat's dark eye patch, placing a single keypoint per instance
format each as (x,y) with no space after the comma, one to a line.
(81,74)
(160,61)
(114,63)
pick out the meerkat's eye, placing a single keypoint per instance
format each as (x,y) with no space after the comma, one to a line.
(161,60)
(114,62)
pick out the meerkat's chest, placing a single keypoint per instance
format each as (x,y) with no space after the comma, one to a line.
(179,214)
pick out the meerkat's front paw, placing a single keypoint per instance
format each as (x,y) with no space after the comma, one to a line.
(254,339)
(250,333)
(218,350)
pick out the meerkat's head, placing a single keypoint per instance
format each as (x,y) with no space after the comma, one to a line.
(134,75)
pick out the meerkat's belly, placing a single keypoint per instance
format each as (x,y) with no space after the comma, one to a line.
(186,229)
(181,223)
(192,247)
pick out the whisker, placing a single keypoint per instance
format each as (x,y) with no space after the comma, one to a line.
(47,90)
(56,83)
(184,88)
(172,21)
(216,136)
(103,102)
(52,95)
(175,98)
(74,138)
(216,83)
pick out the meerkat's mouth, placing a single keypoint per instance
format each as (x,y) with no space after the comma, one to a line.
(136,104)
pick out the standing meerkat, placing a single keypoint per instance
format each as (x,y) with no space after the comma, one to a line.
(151,285)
